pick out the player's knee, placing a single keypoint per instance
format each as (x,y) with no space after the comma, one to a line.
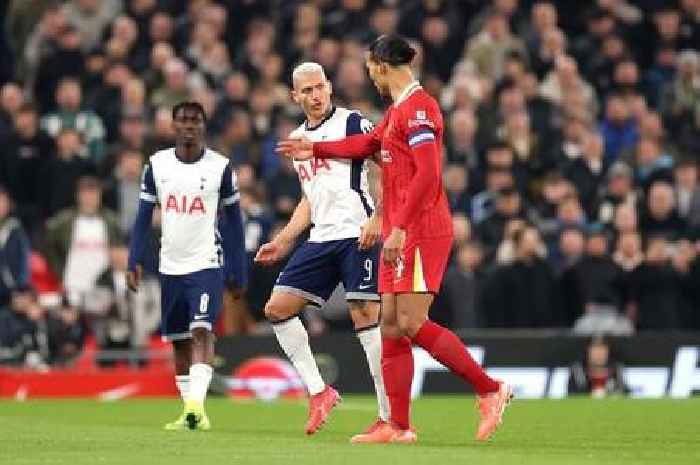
(276,311)
(408,327)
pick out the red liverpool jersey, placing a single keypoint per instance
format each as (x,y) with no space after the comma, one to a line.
(409,140)
(412,121)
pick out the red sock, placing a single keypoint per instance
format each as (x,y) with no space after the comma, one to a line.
(448,349)
(397,370)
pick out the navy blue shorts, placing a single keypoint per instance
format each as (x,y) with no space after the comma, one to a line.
(316,268)
(190,301)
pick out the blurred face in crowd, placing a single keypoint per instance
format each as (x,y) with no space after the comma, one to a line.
(529,243)
(5,204)
(555,189)
(544,16)
(651,125)
(239,128)
(161,27)
(384,20)
(312,91)
(668,24)
(630,244)
(508,204)
(89,199)
(68,144)
(597,245)
(687,176)
(592,147)
(175,72)
(11,98)
(237,87)
(613,48)
(661,200)
(27,123)
(554,42)
(625,219)
(461,228)
(163,124)
(161,53)
(469,256)
(512,100)
(69,95)
(647,152)
(657,250)
(455,179)
(130,165)
(616,109)
(627,73)
(569,210)
(571,243)
(497,27)
(88,6)
(328,53)
(134,93)
(435,30)
(463,127)
(500,157)
(620,185)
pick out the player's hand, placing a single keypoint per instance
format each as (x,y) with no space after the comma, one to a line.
(133,278)
(271,252)
(370,232)
(393,247)
(297,149)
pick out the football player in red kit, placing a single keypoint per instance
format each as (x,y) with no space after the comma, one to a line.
(417,234)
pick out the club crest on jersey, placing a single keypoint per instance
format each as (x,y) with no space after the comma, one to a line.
(386,156)
(314,166)
(185,205)
(421,120)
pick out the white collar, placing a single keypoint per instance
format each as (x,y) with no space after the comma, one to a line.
(406,92)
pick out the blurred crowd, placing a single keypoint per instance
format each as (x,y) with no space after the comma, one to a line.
(571,161)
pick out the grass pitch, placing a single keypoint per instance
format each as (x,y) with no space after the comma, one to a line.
(542,432)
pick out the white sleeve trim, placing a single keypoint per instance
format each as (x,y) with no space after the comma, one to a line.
(232,199)
(148,197)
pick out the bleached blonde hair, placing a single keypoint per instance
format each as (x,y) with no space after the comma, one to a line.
(307,67)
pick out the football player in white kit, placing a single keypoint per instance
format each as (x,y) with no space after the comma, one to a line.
(190,183)
(342,247)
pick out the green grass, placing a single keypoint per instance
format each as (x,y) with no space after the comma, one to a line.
(568,432)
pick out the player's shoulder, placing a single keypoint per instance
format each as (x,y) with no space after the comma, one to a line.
(162,155)
(356,122)
(420,109)
(298,132)
(213,156)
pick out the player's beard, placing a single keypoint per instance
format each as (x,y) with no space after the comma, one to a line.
(384,93)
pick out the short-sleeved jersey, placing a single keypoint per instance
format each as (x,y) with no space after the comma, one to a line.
(414,119)
(189,194)
(337,189)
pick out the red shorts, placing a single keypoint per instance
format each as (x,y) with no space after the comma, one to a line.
(420,269)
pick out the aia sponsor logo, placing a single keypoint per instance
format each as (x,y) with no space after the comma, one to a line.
(311,168)
(184,205)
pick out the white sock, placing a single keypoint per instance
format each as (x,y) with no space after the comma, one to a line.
(183,385)
(200,377)
(371,340)
(294,340)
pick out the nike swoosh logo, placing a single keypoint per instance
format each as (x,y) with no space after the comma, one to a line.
(364,287)
(200,317)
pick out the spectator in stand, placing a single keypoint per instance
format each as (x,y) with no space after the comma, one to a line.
(91,18)
(618,190)
(652,163)
(70,115)
(655,290)
(11,100)
(27,150)
(619,130)
(595,293)
(14,252)
(460,296)
(587,172)
(455,181)
(461,143)
(628,254)
(59,177)
(175,87)
(491,231)
(660,217)
(571,247)
(121,192)
(688,192)
(522,294)
(78,241)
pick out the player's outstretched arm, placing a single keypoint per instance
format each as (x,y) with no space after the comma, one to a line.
(275,250)
(139,236)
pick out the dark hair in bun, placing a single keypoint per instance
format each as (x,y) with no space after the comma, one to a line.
(392,49)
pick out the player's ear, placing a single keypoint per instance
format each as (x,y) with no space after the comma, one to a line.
(330,86)
(295,95)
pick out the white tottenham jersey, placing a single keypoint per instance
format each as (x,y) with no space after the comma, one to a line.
(189,194)
(337,189)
